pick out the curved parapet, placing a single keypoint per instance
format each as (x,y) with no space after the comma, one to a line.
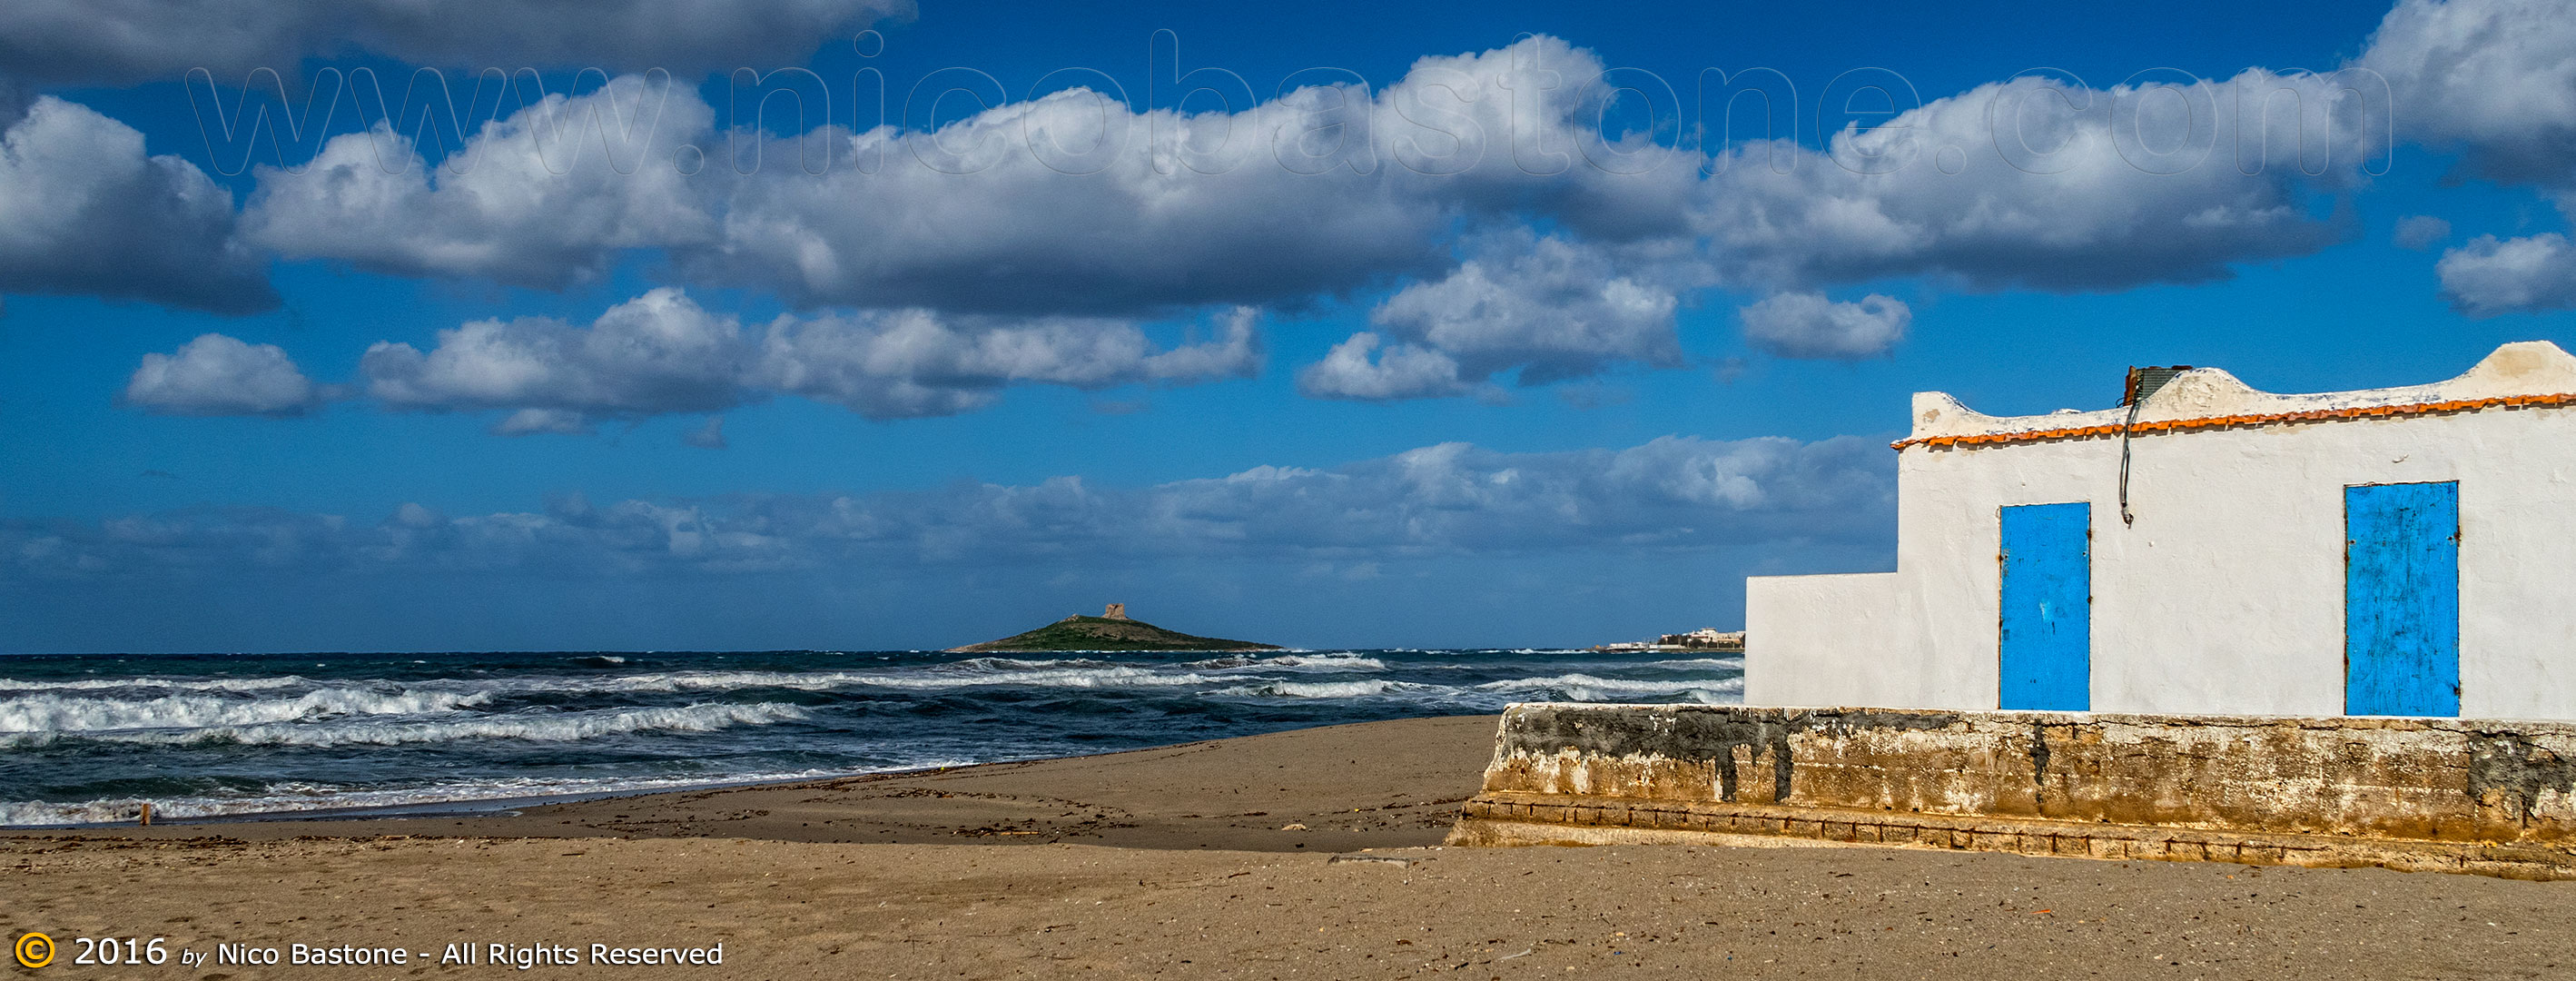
(2517,375)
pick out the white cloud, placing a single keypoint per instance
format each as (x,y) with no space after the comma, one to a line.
(2493,76)
(657,353)
(1806,325)
(87,212)
(2490,276)
(1549,308)
(911,363)
(1672,494)
(2098,210)
(527,422)
(661,353)
(548,197)
(123,41)
(215,375)
(1069,205)
(1402,371)
(2419,232)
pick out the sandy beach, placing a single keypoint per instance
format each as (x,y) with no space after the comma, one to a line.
(1174,862)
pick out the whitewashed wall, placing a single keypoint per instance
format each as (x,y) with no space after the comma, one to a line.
(2226,596)
(1846,659)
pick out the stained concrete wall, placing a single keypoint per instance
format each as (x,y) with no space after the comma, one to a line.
(2227,594)
(2436,780)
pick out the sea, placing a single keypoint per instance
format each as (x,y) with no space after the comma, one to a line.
(90,738)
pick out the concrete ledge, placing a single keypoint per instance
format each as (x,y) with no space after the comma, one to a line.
(1508,819)
(2489,797)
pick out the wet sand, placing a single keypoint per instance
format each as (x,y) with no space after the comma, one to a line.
(1174,862)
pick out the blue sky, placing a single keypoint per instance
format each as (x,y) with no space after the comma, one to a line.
(1426,397)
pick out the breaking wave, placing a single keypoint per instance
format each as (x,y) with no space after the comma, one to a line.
(1322,662)
(1735,663)
(1327,689)
(529,727)
(1588,688)
(176,684)
(59,713)
(88,739)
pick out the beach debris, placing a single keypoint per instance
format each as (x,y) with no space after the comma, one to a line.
(1379,859)
(1292,826)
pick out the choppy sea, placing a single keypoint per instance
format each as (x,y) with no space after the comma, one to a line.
(89,738)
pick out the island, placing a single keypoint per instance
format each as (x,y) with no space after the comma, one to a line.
(1110,631)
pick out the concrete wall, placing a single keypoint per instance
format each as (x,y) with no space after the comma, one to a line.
(2481,796)
(2392,778)
(2226,595)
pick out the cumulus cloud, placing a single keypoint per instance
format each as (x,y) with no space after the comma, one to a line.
(657,353)
(526,422)
(910,363)
(2420,232)
(2490,276)
(930,220)
(1669,494)
(1072,204)
(1074,209)
(547,198)
(1402,371)
(2103,188)
(1546,307)
(88,212)
(125,41)
(662,353)
(2493,77)
(1807,325)
(216,375)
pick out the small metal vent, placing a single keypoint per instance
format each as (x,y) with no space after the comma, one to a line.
(2144,381)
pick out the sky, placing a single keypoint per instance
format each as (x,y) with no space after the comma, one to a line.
(862,324)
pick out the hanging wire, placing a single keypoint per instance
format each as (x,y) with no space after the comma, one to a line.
(2125,429)
(2143,382)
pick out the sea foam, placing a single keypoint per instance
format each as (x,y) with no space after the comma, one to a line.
(62,713)
(174,684)
(527,726)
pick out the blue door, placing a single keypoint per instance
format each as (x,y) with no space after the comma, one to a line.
(2047,624)
(2401,599)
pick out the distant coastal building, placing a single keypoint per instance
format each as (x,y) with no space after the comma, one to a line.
(1702,639)
(2209,548)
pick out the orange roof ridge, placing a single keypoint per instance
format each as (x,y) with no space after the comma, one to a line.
(2516,375)
(2215,422)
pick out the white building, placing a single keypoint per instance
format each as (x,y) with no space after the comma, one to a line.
(2402,551)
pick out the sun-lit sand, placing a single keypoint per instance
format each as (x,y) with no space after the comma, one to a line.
(1174,862)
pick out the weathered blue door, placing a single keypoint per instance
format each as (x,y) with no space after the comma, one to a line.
(2047,624)
(2401,599)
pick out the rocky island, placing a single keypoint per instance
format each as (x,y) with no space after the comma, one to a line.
(1110,631)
